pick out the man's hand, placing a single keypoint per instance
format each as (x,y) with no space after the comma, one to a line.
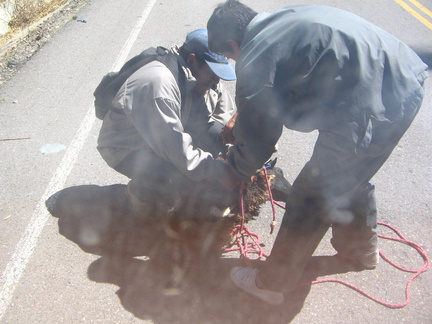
(226,134)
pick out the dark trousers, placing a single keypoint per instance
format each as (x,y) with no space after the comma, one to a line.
(152,178)
(160,185)
(333,189)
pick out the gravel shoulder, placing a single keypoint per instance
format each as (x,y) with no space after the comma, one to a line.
(21,48)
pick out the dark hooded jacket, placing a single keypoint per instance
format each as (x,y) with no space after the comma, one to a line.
(320,68)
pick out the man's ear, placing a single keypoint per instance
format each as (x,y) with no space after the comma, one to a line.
(233,44)
(191,59)
(235,48)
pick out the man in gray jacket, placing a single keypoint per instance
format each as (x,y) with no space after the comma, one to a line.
(164,131)
(319,68)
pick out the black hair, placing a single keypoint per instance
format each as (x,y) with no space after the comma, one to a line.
(184,53)
(228,22)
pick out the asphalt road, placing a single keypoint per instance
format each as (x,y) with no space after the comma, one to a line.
(48,279)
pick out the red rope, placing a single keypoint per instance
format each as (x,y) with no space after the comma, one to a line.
(272,202)
(401,239)
(243,244)
(243,236)
(245,241)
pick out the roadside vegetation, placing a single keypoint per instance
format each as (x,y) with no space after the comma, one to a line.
(28,12)
(26,37)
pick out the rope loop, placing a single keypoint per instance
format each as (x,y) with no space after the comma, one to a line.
(242,235)
(403,240)
(247,242)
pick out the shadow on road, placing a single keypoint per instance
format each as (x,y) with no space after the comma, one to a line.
(175,283)
(426,56)
(205,295)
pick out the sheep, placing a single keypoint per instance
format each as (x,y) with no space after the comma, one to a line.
(100,220)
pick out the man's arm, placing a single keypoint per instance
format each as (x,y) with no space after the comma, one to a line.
(227,130)
(151,100)
(257,129)
(222,106)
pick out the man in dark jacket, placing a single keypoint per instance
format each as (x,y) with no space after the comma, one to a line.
(319,68)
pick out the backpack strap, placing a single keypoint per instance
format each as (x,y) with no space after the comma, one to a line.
(109,86)
(173,62)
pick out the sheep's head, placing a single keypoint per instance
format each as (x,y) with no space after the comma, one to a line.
(256,193)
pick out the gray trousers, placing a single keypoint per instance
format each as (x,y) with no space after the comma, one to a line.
(333,189)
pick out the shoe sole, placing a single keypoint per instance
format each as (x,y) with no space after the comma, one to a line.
(251,292)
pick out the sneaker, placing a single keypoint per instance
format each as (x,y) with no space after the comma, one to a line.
(370,261)
(246,279)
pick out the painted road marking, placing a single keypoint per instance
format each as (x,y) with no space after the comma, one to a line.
(421,7)
(27,244)
(415,14)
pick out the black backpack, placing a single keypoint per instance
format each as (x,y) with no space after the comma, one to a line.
(111,82)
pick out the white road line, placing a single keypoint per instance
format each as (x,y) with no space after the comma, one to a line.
(27,244)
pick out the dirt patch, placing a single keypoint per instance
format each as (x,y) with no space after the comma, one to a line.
(26,12)
(19,50)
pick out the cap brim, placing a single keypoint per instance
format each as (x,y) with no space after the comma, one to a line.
(222,70)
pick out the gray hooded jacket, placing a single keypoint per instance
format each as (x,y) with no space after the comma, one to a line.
(155,120)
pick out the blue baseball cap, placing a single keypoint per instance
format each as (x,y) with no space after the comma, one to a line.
(197,42)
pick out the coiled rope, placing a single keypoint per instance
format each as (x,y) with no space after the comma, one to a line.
(416,273)
(248,243)
(245,241)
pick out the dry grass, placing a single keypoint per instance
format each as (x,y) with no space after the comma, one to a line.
(28,12)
